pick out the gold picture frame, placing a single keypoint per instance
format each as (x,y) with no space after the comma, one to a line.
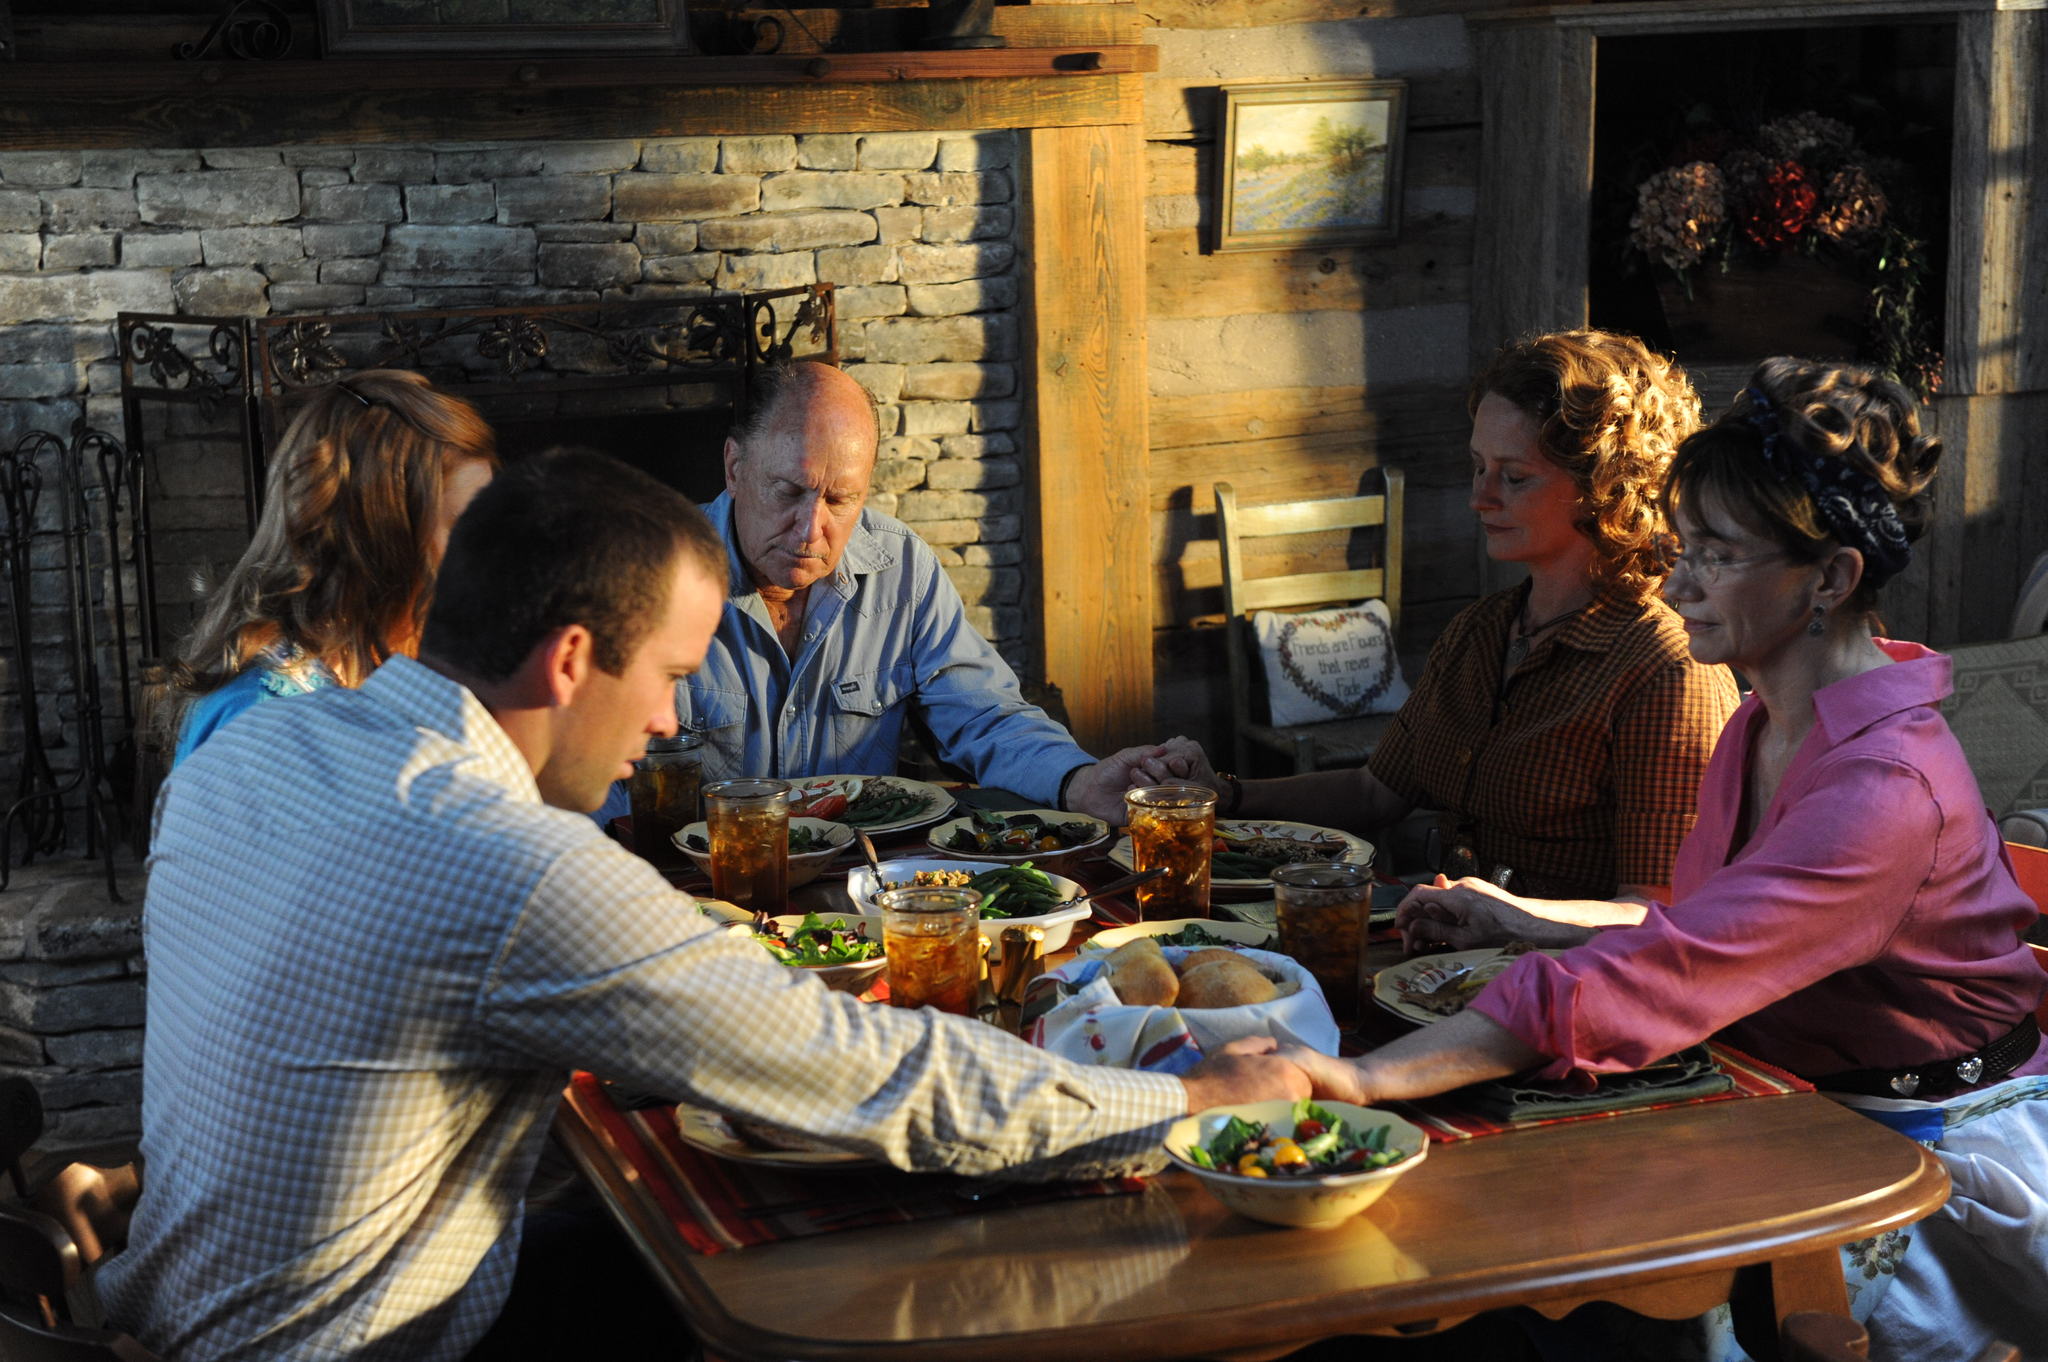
(1309,164)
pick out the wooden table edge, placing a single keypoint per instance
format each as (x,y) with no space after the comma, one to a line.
(1254,1329)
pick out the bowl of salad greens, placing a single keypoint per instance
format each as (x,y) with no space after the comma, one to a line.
(1308,1164)
(840,950)
(813,845)
(1011,895)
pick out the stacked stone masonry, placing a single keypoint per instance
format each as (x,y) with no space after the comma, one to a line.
(71,999)
(916,229)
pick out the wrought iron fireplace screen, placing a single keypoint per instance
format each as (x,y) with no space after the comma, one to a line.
(203,398)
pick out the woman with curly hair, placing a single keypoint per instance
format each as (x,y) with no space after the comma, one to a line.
(362,491)
(1560,725)
(1844,908)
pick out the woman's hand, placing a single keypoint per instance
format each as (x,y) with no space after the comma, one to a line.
(1471,913)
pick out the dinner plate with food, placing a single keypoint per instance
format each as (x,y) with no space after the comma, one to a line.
(1246,853)
(1045,837)
(1428,988)
(873,804)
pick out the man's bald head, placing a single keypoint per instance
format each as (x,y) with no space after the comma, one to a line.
(798,465)
(801,392)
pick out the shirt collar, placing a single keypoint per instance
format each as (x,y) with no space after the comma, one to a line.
(1918,676)
(426,699)
(866,551)
(1595,629)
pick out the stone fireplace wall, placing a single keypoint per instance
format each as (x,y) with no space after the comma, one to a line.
(916,229)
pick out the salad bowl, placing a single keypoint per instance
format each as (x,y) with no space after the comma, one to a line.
(1316,1199)
(841,976)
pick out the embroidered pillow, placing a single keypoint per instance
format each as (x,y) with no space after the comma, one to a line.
(1329,664)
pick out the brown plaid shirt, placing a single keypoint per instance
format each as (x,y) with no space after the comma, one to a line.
(1583,772)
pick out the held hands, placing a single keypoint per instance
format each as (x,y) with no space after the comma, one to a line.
(1098,790)
(1470,913)
(1258,1069)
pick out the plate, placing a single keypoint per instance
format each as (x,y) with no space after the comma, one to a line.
(713,1133)
(1243,933)
(941,802)
(1397,988)
(1355,848)
(1044,860)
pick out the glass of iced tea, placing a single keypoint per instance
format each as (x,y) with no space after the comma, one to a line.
(1324,907)
(749,842)
(932,937)
(1172,826)
(666,788)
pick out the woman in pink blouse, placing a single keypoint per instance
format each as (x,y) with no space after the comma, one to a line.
(1843,906)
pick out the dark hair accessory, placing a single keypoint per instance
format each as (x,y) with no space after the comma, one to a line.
(1852,504)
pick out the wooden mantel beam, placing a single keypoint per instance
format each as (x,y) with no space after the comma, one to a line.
(69,106)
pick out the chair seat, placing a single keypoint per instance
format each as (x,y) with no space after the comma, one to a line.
(1337,744)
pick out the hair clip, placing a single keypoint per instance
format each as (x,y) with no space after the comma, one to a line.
(343,384)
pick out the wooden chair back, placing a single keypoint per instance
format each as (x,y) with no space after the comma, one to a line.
(21,1125)
(26,1339)
(1244,593)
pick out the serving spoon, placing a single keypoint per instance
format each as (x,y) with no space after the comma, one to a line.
(1116,886)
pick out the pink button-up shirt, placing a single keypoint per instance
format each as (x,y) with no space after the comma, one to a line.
(1871,922)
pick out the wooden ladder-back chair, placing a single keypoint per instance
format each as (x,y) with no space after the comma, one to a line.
(1310,747)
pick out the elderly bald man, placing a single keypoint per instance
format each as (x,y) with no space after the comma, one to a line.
(841,622)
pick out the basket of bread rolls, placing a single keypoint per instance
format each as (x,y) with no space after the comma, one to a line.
(1161,1008)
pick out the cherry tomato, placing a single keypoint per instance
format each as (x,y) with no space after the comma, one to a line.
(1308,1130)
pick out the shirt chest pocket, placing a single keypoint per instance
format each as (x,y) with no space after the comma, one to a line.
(869,695)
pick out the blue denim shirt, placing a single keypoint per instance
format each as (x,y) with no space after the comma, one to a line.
(887,631)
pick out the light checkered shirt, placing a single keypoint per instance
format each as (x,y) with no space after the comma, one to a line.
(373,956)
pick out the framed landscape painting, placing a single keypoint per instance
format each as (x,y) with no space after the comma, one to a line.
(1309,164)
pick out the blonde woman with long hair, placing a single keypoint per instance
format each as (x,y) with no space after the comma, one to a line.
(362,491)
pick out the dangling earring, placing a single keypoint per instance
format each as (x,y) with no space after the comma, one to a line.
(1819,624)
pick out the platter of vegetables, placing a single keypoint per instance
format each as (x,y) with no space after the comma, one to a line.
(1245,854)
(1041,836)
(871,803)
(1012,895)
(1308,1164)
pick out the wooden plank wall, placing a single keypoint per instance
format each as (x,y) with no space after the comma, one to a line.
(1295,373)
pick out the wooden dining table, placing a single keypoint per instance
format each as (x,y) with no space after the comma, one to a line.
(1667,1212)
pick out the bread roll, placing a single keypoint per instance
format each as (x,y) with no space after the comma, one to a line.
(1226,983)
(1140,975)
(1197,959)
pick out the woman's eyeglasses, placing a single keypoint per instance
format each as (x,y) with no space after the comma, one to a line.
(1706,565)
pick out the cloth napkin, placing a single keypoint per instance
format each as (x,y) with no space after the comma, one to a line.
(1705,1073)
(1688,1074)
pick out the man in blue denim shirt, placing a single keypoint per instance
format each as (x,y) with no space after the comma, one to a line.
(841,619)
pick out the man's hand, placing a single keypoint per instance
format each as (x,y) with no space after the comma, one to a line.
(1470,913)
(1246,1070)
(1098,790)
(1341,1080)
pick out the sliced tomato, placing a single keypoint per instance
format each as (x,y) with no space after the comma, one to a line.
(1308,1130)
(827,806)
